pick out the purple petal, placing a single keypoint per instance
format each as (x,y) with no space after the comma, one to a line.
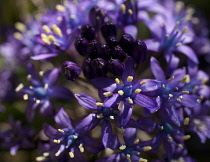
(147,124)
(188,52)
(112,158)
(112,100)
(132,30)
(106,131)
(14,149)
(190,100)
(51,132)
(30,110)
(125,113)
(152,45)
(91,145)
(157,70)
(50,77)
(128,70)
(86,101)
(147,102)
(46,109)
(63,120)
(135,158)
(129,135)
(43,56)
(107,84)
(60,92)
(88,123)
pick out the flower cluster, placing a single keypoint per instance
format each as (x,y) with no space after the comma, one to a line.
(121,96)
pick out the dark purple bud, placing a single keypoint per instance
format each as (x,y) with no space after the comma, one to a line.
(92,49)
(112,41)
(86,67)
(103,51)
(115,67)
(70,70)
(81,46)
(118,53)
(99,67)
(139,53)
(96,17)
(88,32)
(108,29)
(127,42)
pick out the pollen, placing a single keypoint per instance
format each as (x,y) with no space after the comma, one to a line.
(37,101)
(19,87)
(60,130)
(28,77)
(171,78)
(18,35)
(120,105)
(57,153)
(71,154)
(117,81)
(60,8)
(184,30)
(130,11)
(46,29)
(179,44)
(129,79)
(178,99)
(123,147)
(128,156)
(100,116)
(111,117)
(186,79)
(143,82)
(204,81)
(25,96)
(143,160)
(75,137)
(46,87)
(147,148)
(120,92)
(20,26)
(130,100)
(46,41)
(51,38)
(56,141)
(40,158)
(137,91)
(99,104)
(57,30)
(170,95)
(170,139)
(107,94)
(186,137)
(180,146)
(136,141)
(81,148)
(186,121)
(41,73)
(185,92)
(123,8)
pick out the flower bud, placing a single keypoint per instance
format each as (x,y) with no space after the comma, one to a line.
(118,53)
(81,46)
(92,49)
(139,53)
(70,70)
(86,68)
(99,67)
(108,29)
(96,17)
(103,51)
(88,32)
(112,41)
(127,42)
(115,67)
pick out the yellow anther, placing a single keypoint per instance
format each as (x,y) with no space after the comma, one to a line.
(138,153)
(195,20)
(25,96)
(51,38)
(142,160)
(71,154)
(20,26)
(167,35)
(60,8)
(143,82)
(60,130)
(120,92)
(28,77)
(129,79)
(180,146)
(99,116)
(170,95)
(81,148)
(45,87)
(117,81)
(56,141)
(111,117)
(57,30)
(161,127)
(75,137)
(130,11)
(178,99)
(123,8)
(46,154)
(46,41)
(185,79)
(170,139)
(185,92)
(123,147)
(40,158)
(19,87)
(99,104)
(147,148)
(58,153)
(179,44)
(136,141)
(107,94)
(184,30)
(130,100)
(186,137)
(120,105)
(59,18)
(195,89)
(46,29)
(37,101)
(186,121)
(128,156)
(18,35)
(137,91)
(204,81)
(43,35)
(171,78)
(163,86)
(72,16)
(179,6)
(41,73)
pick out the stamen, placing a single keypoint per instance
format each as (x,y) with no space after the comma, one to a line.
(186,121)
(120,105)
(20,26)
(129,79)
(46,29)
(179,44)
(147,148)
(137,91)
(163,86)
(195,89)
(60,130)
(161,128)
(186,79)
(184,30)
(45,87)
(179,6)
(117,81)
(138,153)
(123,8)
(58,153)
(130,11)
(99,116)
(178,99)
(18,35)
(128,156)
(59,18)
(71,154)
(171,78)
(75,137)
(28,77)
(60,8)
(120,92)
(143,82)
(72,16)
(130,100)
(51,38)
(19,87)
(37,101)
(40,158)
(170,139)
(107,94)
(185,92)
(186,137)
(46,154)
(136,141)
(25,96)
(41,73)
(57,30)
(167,35)
(46,41)
(142,160)
(204,81)
(180,146)
(56,141)
(170,95)
(99,104)
(111,117)
(81,148)
(123,147)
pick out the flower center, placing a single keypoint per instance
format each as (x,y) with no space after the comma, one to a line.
(107,111)
(128,91)
(40,92)
(167,128)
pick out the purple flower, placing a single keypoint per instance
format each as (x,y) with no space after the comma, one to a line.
(70,70)
(130,93)
(70,140)
(18,137)
(41,92)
